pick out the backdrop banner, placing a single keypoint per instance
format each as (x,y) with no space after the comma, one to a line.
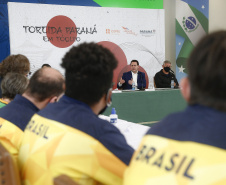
(46,32)
(191,25)
(4,29)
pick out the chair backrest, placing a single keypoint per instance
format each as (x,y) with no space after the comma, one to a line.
(154,82)
(9,172)
(64,180)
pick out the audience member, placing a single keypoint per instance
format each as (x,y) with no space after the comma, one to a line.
(163,78)
(44,87)
(73,140)
(14,63)
(189,147)
(12,84)
(134,75)
(46,65)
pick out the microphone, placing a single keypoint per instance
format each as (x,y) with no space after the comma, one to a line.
(142,88)
(172,71)
(141,82)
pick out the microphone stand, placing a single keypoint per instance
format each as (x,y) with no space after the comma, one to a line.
(142,88)
(176,87)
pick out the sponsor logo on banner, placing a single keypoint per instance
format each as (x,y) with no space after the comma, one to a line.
(112,31)
(108,31)
(190,24)
(128,31)
(148,33)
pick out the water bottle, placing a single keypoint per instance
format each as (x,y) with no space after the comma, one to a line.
(172,84)
(133,86)
(113,116)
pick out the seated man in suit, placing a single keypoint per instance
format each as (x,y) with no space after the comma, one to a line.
(133,76)
(68,137)
(189,147)
(164,76)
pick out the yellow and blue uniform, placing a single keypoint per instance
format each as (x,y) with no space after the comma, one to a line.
(13,119)
(186,148)
(68,138)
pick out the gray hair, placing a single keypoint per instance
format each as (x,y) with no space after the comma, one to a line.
(13,84)
(166,62)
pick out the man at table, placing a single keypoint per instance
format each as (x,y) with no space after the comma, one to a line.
(134,75)
(163,78)
(73,140)
(189,147)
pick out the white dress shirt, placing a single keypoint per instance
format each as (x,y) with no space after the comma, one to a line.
(134,76)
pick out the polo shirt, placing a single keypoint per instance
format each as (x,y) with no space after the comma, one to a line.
(184,148)
(3,103)
(13,120)
(68,138)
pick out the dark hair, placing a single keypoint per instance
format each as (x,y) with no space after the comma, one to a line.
(15,63)
(207,71)
(13,84)
(134,61)
(44,85)
(89,72)
(46,65)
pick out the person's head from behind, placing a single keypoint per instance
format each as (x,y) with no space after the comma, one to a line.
(206,81)
(166,66)
(13,84)
(15,63)
(46,85)
(46,65)
(134,64)
(89,73)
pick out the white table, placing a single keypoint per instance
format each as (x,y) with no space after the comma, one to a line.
(132,132)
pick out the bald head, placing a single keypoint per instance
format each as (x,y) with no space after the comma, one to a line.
(48,73)
(45,83)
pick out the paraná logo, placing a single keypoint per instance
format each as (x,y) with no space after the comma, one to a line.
(190,24)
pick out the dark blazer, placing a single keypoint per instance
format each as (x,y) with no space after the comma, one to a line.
(141,81)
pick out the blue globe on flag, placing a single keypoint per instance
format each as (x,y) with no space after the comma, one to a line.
(190,23)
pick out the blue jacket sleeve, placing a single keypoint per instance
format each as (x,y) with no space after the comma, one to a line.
(126,77)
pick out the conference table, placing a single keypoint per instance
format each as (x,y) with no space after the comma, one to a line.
(132,132)
(146,107)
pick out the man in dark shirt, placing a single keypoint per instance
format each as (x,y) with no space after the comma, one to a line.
(163,78)
(73,139)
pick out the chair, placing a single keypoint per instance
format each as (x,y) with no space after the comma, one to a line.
(9,172)
(64,180)
(154,82)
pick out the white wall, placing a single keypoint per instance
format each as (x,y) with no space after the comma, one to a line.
(217,15)
(170,31)
(217,18)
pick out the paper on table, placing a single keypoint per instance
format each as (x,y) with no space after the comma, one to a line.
(116,91)
(132,132)
(152,89)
